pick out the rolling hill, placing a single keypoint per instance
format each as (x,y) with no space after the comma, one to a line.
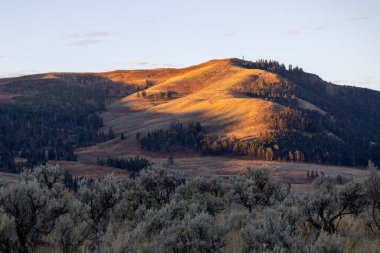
(240,101)
(260,110)
(207,93)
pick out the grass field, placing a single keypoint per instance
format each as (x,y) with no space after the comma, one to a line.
(192,165)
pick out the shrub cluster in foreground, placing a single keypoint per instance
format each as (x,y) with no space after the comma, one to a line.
(161,211)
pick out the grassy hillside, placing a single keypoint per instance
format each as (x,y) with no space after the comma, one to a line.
(261,109)
(204,93)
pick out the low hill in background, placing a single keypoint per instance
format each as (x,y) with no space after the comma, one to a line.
(261,110)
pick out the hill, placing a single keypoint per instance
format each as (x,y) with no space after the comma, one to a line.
(262,110)
(207,93)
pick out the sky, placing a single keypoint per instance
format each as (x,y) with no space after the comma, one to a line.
(337,39)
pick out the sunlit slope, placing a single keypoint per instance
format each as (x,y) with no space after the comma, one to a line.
(206,93)
(140,76)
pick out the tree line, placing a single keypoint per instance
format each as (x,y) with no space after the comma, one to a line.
(352,114)
(287,143)
(134,165)
(50,117)
(189,136)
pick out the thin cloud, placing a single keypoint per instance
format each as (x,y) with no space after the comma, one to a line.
(88,34)
(293,32)
(82,43)
(340,81)
(150,21)
(306,28)
(144,63)
(230,34)
(317,28)
(139,63)
(73,35)
(345,82)
(86,39)
(98,34)
(357,18)
(364,82)
(165,65)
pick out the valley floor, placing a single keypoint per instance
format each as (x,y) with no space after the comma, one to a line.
(215,166)
(193,165)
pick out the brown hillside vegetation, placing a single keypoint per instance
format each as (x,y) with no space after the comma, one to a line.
(204,93)
(207,93)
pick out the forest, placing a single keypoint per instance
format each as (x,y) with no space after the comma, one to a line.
(287,143)
(190,136)
(161,211)
(49,118)
(352,134)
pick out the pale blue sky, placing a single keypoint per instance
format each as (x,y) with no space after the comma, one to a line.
(338,40)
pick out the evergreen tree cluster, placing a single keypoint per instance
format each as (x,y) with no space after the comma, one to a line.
(48,118)
(270,65)
(280,92)
(177,134)
(287,143)
(158,96)
(133,165)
